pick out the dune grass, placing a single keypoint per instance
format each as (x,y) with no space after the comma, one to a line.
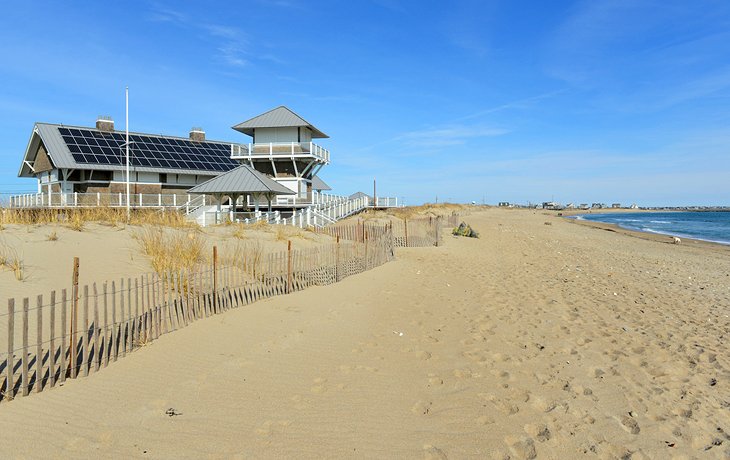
(77,218)
(171,250)
(10,259)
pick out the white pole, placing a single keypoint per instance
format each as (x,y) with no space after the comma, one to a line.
(126,94)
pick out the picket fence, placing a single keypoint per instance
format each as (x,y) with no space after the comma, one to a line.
(84,329)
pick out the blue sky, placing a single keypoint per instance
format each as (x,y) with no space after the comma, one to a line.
(577,101)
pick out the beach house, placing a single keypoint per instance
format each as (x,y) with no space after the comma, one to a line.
(92,160)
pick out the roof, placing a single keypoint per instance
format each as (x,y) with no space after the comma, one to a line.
(183,156)
(319,184)
(243,179)
(358,195)
(280,117)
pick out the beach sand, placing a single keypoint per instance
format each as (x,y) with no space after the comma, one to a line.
(534,341)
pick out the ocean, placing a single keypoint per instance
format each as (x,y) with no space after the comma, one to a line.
(707,226)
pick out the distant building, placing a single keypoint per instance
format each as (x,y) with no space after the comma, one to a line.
(551,205)
(583,206)
(570,206)
(616,205)
(634,206)
(503,204)
(598,206)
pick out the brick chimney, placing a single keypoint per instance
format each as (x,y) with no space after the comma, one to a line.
(105,123)
(197,134)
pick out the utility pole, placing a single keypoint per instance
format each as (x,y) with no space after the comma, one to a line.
(126,94)
(375,195)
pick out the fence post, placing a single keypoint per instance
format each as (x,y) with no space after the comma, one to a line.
(24,353)
(10,380)
(288,267)
(74,309)
(215,279)
(39,346)
(337,260)
(405,221)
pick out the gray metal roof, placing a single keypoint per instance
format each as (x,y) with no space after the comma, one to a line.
(319,184)
(358,195)
(61,157)
(280,117)
(241,180)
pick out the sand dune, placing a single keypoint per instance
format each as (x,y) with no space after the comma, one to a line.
(547,341)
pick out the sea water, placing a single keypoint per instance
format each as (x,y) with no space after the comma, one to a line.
(709,226)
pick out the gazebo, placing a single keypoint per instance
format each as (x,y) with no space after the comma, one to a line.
(243,181)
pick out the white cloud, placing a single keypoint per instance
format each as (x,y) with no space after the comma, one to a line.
(451,135)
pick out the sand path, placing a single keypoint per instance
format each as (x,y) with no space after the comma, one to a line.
(536,340)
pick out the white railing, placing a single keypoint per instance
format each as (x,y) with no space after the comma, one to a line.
(386,202)
(90,200)
(280,150)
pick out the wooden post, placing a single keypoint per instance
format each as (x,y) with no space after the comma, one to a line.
(122,336)
(97,331)
(215,279)
(39,346)
(105,356)
(74,317)
(10,378)
(288,267)
(24,355)
(52,342)
(135,322)
(147,310)
(365,238)
(337,260)
(130,320)
(85,334)
(63,370)
(114,341)
(405,222)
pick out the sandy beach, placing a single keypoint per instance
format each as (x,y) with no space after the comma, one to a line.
(533,341)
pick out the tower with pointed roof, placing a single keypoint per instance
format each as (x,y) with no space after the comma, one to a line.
(282,146)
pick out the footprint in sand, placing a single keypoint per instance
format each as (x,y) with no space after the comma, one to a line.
(539,432)
(522,448)
(465,373)
(544,405)
(504,406)
(422,407)
(433,453)
(484,420)
(319,385)
(267,428)
(423,355)
(630,424)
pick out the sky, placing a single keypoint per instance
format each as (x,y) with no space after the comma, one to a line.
(485,101)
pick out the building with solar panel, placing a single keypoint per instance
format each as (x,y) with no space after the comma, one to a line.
(73,163)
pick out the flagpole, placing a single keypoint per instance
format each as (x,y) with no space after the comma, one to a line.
(126,94)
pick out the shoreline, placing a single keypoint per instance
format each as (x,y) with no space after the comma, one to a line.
(656,237)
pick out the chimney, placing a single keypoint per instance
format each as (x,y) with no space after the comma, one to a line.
(197,134)
(105,123)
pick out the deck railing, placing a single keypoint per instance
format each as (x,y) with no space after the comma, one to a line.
(89,200)
(280,150)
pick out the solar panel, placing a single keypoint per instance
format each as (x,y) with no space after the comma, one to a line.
(93,147)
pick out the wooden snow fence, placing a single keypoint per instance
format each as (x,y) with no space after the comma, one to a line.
(415,232)
(47,339)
